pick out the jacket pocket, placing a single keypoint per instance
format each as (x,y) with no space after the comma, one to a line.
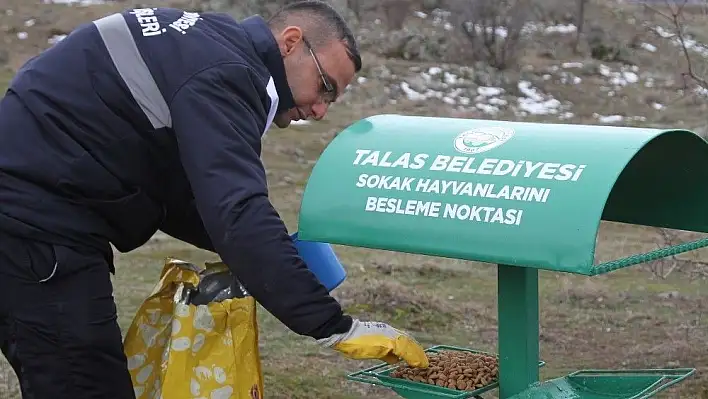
(42,261)
(133,218)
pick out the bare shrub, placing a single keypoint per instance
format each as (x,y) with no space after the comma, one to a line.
(675,15)
(663,267)
(493,28)
(695,72)
(579,22)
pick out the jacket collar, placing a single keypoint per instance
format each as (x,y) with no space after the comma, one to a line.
(267,49)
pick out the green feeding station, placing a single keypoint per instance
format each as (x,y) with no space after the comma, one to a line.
(526,196)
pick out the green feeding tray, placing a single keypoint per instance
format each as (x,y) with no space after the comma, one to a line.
(607,384)
(381,375)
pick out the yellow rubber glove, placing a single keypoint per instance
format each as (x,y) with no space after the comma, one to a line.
(375,340)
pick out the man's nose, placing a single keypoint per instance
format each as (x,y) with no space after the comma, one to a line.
(319,110)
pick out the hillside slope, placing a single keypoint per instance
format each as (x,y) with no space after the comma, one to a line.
(649,316)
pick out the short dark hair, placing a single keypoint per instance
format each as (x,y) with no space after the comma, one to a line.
(324,15)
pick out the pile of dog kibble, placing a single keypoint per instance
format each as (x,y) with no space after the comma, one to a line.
(465,371)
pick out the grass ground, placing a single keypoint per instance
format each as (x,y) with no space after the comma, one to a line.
(627,319)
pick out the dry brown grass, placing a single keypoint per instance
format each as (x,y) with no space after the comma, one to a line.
(629,318)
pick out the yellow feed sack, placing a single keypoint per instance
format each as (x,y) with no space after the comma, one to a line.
(178,350)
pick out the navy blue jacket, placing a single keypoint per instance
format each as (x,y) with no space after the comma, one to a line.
(149,120)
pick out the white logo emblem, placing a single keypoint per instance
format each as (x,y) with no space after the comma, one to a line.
(482,139)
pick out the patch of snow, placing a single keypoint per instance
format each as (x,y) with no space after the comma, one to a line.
(617,118)
(487,108)
(454,93)
(628,77)
(529,91)
(648,47)
(567,78)
(410,93)
(420,14)
(30,22)
(567,65)
(300,122)
(663,32)
(489,91)
(608,118)
(690,43)
(78,2)
(22,35)
(361,79)
(500,31)
(534,103)
(570,28)
(56,39)
(657,106)
(497,101)
(450,78)
(539,108)
(701,49)
(440,16)
(531,27)
(622,78)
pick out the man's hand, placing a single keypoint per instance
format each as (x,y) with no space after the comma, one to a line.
(375,340)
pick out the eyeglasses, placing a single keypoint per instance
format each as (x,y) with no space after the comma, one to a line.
(328,87)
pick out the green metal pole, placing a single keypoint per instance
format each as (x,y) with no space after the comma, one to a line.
(518,329)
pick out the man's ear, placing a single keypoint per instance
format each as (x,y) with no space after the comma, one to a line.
(291,36)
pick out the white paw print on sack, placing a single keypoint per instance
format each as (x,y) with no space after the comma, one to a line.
(194,387)
(182,310)
(180,344)
(176,326)
(202,372)
(222,393)
(199,340)
(218,374)
(227,338)
(203,319)
(149,334)
(136,361)
(144,374)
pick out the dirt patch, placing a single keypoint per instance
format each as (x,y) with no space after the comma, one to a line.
(589,294)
